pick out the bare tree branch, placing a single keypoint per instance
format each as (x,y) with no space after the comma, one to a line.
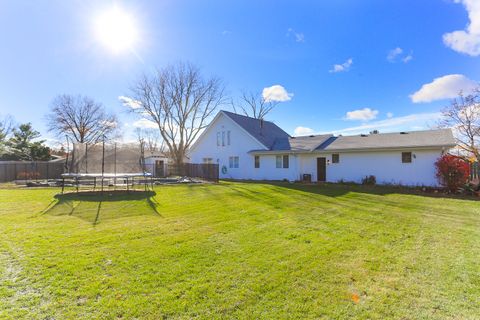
(254,105)
(80,118)
(180,101)
(463,116)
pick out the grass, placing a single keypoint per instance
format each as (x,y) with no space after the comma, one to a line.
(239,250)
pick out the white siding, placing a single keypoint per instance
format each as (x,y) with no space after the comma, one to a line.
(386,166)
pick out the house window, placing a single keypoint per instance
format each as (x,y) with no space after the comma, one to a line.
(257,162)
(218,139)
(278,161)
(282,161)
(207,160)
(285,161)
(223,138)
(228,138)
(335,158)
(406,157)
(233,162)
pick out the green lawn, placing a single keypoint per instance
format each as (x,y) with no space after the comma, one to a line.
(239,250)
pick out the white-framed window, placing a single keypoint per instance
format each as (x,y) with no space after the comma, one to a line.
(282,161)
(207,160)
(335,158)
(223,138)
(218,139)
(257,162)
(234,162)
(228,138)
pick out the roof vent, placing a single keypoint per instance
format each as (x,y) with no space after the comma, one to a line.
(364,135)
(403,132)
(374,132)
(311,136)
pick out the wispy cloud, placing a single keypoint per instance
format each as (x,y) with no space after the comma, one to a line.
(145,123)
(303,131)
(276,93)
(129,102)
(416,121)
(398,54)
(445,87)
(365,114)
(466,41)
(298,36)
(344,67)
(226,32)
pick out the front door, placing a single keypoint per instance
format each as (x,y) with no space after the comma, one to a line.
(159,169)
(321,169)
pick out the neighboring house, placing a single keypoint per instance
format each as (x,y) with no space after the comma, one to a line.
(248,148)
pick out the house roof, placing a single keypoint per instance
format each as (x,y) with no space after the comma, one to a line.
(410,139)
(301,143)
(265,132)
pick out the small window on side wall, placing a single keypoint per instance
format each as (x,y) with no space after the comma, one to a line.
(335,158)
(406,157)
(257,162)
(285,161)
(278,161)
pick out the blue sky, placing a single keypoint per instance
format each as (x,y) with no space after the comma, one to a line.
(385,51)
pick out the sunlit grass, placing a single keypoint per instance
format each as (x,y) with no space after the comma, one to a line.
(239,250)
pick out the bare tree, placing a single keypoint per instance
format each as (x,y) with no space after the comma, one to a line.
(151,139)
(463,115)
(254,105)
(81,118)
(6,129)
(180,101)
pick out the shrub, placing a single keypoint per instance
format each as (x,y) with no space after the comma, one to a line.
(452,172)
(369,180)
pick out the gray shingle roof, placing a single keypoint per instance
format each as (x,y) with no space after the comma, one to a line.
(275,139)
(410,139)
(303,143)
(267,133)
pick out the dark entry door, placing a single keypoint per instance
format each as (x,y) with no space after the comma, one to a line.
(321,169)
(159,169)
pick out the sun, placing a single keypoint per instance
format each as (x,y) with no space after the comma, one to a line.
(116,30)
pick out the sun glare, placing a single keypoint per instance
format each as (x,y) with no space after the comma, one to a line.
(116,30)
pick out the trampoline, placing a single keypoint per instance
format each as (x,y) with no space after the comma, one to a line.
(101,166)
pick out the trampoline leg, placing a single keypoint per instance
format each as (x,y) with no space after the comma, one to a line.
(127,186)
(76,183)
(63,184)
(94,183)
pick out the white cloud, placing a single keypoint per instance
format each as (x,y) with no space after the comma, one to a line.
(342,67)
(409,122)
(416,121)
(299,37)
(145,123)
(397,54)
(303,131)
(407,58)
(389,115)
(466,41)
(445,87)
(129,102)
(364,114)
(392,54)
(276,93)
(226,32)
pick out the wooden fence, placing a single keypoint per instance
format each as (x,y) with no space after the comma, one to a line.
(30,170)
(204,171)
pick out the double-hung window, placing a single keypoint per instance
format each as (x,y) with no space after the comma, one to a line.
(282,161)
(233,162)
(257,162)
(406,157)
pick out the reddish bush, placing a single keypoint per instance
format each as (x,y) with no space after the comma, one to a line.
(452,172)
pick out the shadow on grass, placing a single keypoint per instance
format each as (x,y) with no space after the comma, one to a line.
(96,207)
(337,190)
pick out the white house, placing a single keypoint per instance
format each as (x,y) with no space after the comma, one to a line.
(248,148)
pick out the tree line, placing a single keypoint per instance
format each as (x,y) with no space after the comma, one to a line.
(180,101)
